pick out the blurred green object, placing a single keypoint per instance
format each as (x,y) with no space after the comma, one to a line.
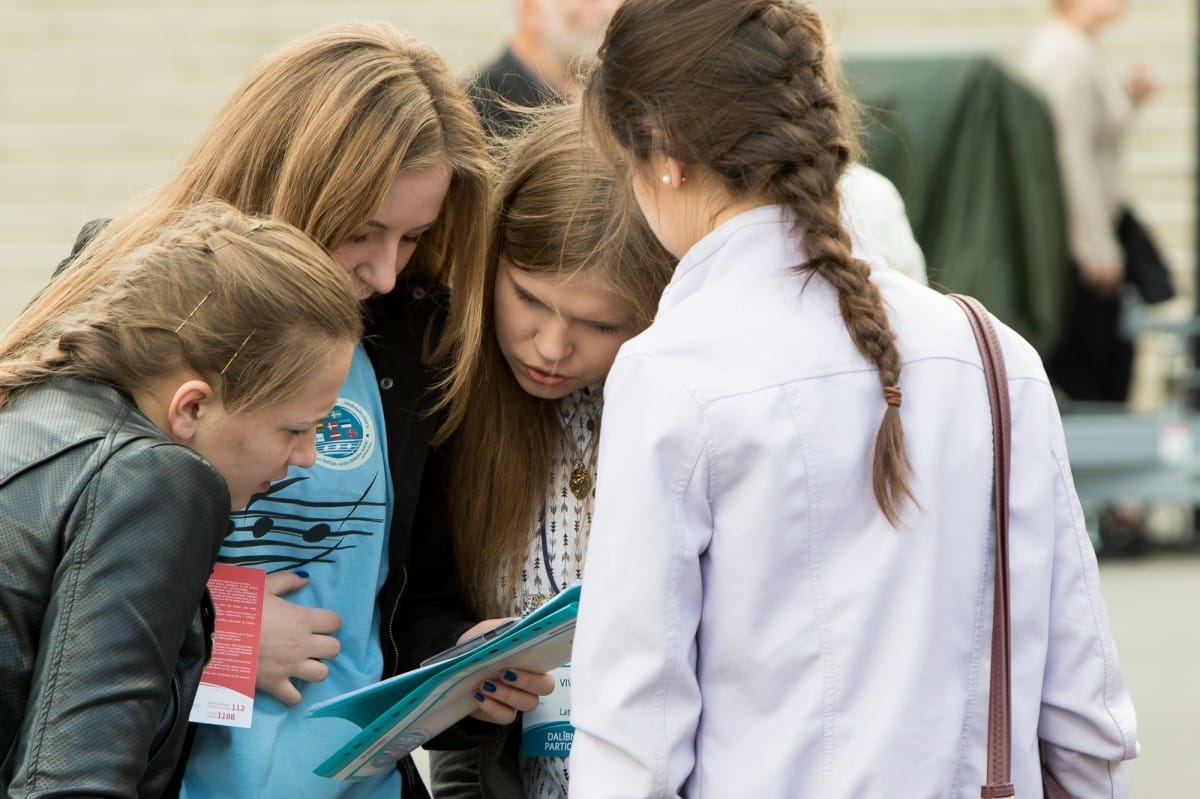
(971,150)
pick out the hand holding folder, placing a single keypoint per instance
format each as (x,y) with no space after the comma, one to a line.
(399,714)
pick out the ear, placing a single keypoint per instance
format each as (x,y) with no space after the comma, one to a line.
(192,399)
(675,169)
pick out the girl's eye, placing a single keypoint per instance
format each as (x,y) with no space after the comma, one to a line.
(600,327)
(411,239)
(528,299)
(357,238)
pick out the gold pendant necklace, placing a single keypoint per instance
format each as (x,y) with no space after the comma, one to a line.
(580,479)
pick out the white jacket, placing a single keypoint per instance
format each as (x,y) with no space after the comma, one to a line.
(751,626)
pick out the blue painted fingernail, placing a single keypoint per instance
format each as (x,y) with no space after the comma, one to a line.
(303,574)
(478,697)
(489,687)
(510,676)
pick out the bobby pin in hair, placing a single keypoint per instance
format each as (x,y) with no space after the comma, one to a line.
(188,318)
(225,368)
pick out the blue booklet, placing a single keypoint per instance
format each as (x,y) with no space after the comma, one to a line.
(399,714)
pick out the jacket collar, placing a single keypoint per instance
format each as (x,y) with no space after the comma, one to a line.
(704,262)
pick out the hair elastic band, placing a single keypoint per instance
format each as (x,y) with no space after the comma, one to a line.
(891,395)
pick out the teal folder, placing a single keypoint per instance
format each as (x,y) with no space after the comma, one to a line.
(399,714)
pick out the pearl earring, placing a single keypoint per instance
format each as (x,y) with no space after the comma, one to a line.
(666,180)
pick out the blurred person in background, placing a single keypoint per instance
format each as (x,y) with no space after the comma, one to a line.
(873,209)
(1091,108)
(549,43)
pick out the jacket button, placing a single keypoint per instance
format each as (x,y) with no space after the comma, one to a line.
(419,293)
(386,383)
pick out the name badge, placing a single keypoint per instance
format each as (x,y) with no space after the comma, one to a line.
(546,731)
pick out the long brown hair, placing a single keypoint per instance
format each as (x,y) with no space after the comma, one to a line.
(559,208)
(253,306)
(316,134)
(747,90)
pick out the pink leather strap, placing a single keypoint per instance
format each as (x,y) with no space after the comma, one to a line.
(999,765)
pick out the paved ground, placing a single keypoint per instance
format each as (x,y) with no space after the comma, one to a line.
(1153,603)
(1154,606)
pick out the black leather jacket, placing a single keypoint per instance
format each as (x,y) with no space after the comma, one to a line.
(108,534)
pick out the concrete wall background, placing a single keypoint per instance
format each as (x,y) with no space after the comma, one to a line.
(100,98)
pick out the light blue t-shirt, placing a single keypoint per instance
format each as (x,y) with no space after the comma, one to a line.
(331,521)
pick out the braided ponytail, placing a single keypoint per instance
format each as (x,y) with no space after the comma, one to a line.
(757,100)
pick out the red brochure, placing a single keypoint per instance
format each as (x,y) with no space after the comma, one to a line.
(226,694)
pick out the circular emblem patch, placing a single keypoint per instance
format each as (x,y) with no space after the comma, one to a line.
(347,436)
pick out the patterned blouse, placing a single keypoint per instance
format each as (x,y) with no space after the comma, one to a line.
(557,547)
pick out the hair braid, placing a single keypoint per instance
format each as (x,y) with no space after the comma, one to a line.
(758,100)
(866,320)
(800,164)
(809,185)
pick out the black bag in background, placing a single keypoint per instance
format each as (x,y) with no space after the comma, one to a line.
(1145,268)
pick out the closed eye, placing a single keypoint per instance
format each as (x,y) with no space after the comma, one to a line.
(527,298)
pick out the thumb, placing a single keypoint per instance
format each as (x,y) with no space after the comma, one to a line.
(280,583)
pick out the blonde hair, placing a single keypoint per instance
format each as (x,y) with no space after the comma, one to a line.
(315,136)
(252,306)
(559,208)
(756,99)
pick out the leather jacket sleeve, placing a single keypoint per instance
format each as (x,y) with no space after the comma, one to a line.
(120,649)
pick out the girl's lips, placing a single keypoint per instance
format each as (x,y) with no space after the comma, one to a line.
(544,378)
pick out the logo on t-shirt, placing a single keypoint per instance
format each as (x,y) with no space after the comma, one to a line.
(346,438)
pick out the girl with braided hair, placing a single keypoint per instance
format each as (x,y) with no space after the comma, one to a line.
(787,573)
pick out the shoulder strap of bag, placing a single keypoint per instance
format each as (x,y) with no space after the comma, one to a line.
(999,766)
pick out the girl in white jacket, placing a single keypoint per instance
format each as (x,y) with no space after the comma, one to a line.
(788,584)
